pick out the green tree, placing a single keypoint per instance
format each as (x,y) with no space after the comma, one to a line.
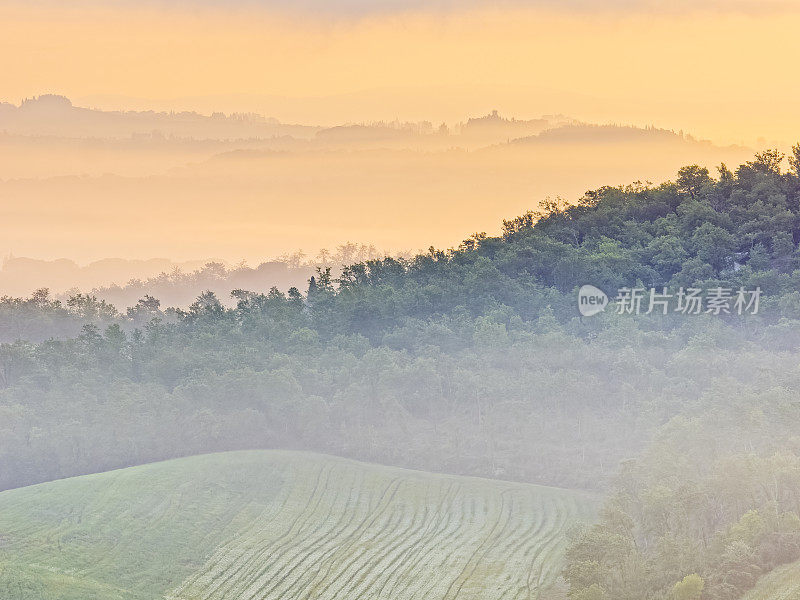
(689,588)
(693,180)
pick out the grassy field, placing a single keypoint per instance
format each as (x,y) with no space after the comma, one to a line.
(782,584)
(281,525)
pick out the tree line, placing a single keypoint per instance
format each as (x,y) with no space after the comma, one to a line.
(474,360)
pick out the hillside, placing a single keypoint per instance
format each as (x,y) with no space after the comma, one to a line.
(781,584)
(470,361)
(267,524)
(54,115)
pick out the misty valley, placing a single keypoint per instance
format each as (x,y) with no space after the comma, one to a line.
(674,433)
(399,300)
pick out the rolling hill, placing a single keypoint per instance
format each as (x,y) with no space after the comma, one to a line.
(279,524)
(781,584)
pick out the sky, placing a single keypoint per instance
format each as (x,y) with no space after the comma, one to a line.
(721,70)
(357,8)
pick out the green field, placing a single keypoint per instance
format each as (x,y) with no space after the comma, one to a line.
(270,525)
(782,584)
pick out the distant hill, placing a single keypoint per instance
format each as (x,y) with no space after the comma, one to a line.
(20,276)
(499,127)
(55,115)
(282,525)
(474,133)
(580,133)
(243,187)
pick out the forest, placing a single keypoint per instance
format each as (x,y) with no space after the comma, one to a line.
(475,361)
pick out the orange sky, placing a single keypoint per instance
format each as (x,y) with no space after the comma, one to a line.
(726,76)
(720,73)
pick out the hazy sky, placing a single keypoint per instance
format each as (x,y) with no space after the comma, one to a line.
(723,70)
(356,8)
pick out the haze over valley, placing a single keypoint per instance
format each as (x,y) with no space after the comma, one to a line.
(85,185)
(399,300)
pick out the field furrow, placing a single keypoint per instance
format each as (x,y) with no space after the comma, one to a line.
(266,525)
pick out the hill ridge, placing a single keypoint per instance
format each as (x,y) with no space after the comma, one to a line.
(281,524)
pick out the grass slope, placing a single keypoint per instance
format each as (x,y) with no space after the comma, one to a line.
(281,525)
(781,584)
